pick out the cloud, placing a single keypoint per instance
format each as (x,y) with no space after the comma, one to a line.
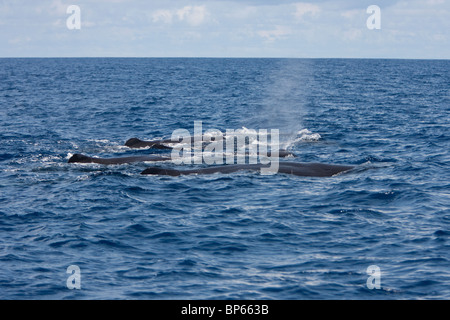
(304,8)
(57,7)
(352,34)
(163,16)
(319,28)
(274,34)
(351,14)
(19,40)
(192,15)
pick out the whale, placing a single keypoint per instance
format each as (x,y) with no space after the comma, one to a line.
(81,158)
(294,168)
(162,144)
(136,143)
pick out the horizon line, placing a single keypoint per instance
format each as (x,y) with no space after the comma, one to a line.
(212,57)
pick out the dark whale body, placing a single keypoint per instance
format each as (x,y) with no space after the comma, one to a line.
(160,144)
(155,144)
(81,158)
(295,168)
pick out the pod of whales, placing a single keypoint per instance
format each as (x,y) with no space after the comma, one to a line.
(295,168)
(285,167)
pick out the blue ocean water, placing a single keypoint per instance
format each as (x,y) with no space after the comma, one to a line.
(237,236)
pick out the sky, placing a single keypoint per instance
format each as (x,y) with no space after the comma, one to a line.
(416,29)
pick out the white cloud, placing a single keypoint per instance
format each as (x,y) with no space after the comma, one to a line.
(194,15)
(57,7)
(274,34)
(352,34)
(304,8)
(163,16)
(244,12)
(19,40)
(351,14)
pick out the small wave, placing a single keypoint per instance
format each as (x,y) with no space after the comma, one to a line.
(6,156)
(307,135)
(103,141)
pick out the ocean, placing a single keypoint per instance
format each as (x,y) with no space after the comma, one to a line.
(381,231)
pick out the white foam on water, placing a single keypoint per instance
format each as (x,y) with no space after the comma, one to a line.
(307,135)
